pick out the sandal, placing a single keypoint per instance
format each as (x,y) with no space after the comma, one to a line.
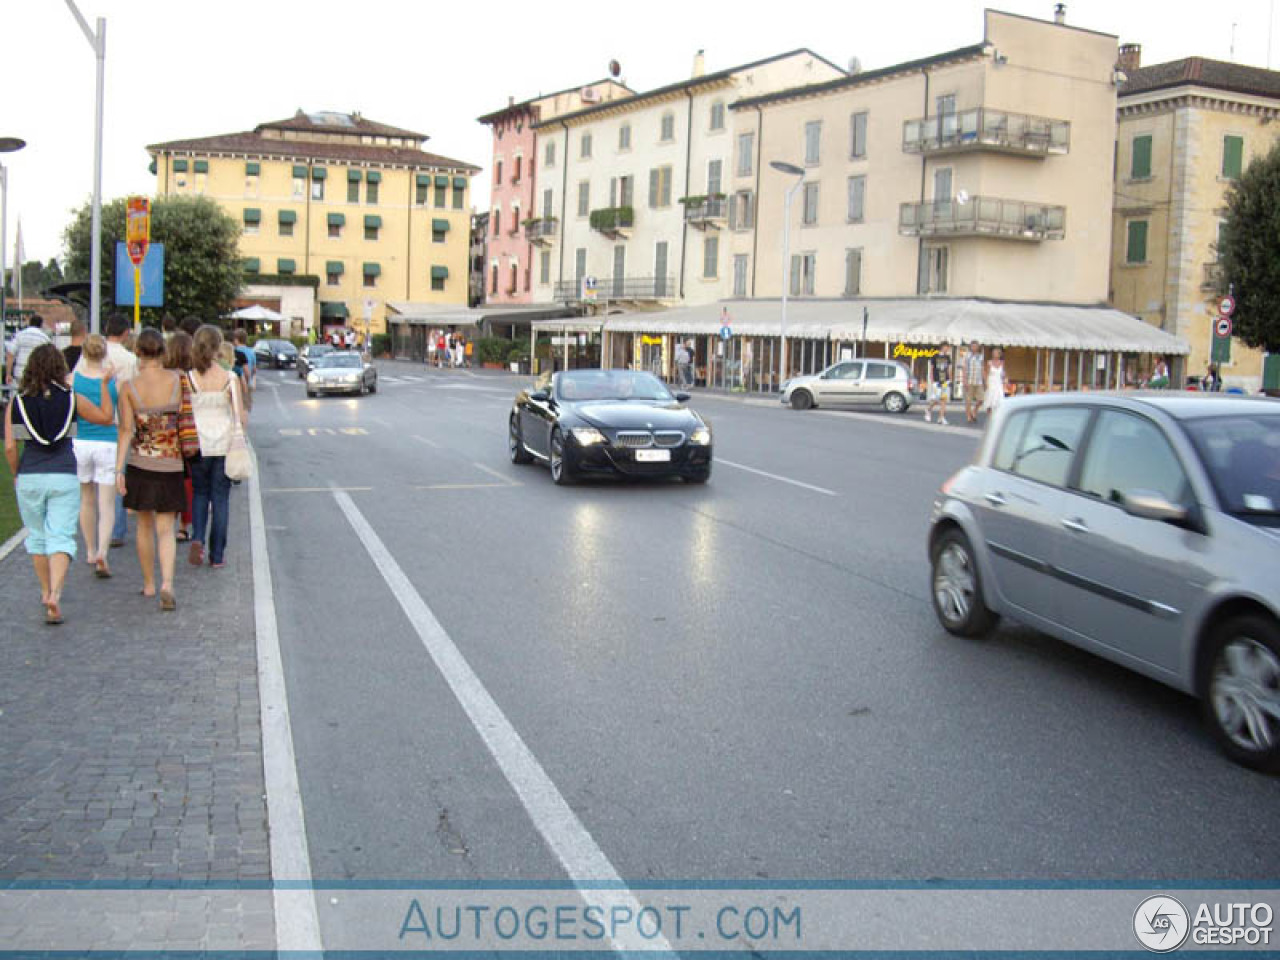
(167,600)
(183,536)
(102,571)
(52,614)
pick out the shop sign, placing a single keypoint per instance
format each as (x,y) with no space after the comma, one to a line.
(915,353)
(651,341)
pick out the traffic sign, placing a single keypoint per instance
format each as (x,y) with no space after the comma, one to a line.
(137,228)
(1227,306)
(589,288)
(1222,326)
(725,332)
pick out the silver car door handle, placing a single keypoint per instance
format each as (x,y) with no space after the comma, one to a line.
(995,499)
(1078,526)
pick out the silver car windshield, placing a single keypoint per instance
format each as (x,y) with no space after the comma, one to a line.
(338,360)
(580,385)
(1242,456)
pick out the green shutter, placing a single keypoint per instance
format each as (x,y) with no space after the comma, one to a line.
(202,166)
(333,266)
(1137,248)
(372,220)
(251,264)
(1271,372)
(179,166)
(337,219)
(423,180)
(1232,157)
(439,273)
(288,216)
(252,168)
(152,167)
(440,225)
(252,215)
(371,269)
(1140,169)
(459,183)
(334,310)
(299,170)
(354,175)
(373,176)
(285,266)
(318,173)
(442,183)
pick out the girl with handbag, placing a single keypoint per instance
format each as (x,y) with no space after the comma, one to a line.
(215,403)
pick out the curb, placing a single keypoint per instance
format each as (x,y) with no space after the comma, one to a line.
(11,544)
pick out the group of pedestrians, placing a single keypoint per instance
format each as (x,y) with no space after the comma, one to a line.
(446,349)
(982,383)
(106,430)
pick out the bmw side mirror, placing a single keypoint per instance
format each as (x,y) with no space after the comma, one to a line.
(682,397)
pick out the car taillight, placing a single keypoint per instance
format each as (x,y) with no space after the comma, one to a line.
(947,484)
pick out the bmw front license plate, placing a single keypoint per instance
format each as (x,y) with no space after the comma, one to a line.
(653,456)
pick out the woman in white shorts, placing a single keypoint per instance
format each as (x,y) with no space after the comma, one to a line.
(95,448)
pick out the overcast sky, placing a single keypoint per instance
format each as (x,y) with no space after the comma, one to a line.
(178,70)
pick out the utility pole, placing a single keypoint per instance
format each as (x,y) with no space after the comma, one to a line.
(98,41)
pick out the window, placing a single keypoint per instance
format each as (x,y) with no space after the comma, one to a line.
(497,173)
(333,273)
(286,221)
(422,191)
(742,211)
(619,271)
(1128,453)
(252,221)
(710,258)
(548,203)
(668,127)
(371,271)
(371,191)
(880,371)
(660,187)
(437,282)
(353,186)
(579,264)
(717,115)
(439,231)
(942,188)
(251,185)
(852,272)
(1140,167)
(813,142)
(317,189)
(544,267)
(947,114)
(714,168)
(1232,157)
(550,154)
(584,198)
(497,222)
(442,193)
(746,149)
(810,216)
(933,270)
(857,199)
(515,219)
(493,279)
(1136,247)
(513,286)
(586,146)
(622,191)
(660,268)
(371,227)
(740,275)
(624,137)
(515,177)
(335,230)
(299,186)
(1045,441)
(802,271)
(202,180)
(459,192)
(858,135)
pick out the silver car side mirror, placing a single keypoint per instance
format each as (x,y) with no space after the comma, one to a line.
(1153,506)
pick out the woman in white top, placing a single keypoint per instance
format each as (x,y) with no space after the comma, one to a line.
(995,381)
(214,407)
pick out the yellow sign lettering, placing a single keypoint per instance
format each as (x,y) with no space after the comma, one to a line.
(915,353)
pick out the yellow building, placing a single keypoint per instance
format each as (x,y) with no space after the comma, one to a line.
(354,209)
(1186,131)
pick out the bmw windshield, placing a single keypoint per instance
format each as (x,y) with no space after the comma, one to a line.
(580,385)
(1242,456)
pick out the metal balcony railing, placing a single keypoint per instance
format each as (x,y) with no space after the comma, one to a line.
(541,230)
(702,209)
(983,128)
(619,288)
(983,217)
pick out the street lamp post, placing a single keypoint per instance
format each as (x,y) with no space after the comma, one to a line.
(7,145)
(795,171)
(97,40)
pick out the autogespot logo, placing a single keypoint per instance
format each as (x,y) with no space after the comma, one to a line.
(1161,923)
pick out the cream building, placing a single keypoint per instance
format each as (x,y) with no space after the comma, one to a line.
(639,186)
(353,209)
(1186,131)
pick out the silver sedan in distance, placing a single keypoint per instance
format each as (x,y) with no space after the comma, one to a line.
(885,383)
(341,372)
(1144,528)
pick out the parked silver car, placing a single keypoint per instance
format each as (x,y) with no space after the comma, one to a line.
(849,382)
(342,372)
(1142,527)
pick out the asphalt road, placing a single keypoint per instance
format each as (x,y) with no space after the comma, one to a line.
(736,681)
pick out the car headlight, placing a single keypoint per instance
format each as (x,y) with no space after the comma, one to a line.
(313,377)
(282,357)
(701,437)
(586,436)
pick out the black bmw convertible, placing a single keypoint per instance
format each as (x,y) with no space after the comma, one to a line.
(582,422)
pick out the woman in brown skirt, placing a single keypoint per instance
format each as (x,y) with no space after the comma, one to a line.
(149,461)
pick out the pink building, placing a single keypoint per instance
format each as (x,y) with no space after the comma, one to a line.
(518,227)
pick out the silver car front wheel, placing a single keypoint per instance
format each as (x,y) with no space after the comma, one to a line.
(1242,703)
(957,587)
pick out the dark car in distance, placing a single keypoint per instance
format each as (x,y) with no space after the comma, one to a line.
(619,422)
(275,353)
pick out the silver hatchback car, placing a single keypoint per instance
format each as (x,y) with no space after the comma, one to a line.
(884,382)
(1142,527)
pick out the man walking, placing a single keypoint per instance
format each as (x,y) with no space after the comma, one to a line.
(973,382)
(683,364)
(939,388)
(23,345)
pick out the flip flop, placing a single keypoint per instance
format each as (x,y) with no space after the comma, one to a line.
(167,600)
(183,536)
(102,571)
(52,614)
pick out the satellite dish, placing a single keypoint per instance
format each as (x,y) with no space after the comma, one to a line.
(615,68)
(855,65)
(962,197)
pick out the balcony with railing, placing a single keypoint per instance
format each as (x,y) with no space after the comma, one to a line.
(619,288)
(1213,276)
(612,221)
(706,212)
(540,230)
(983,217)
(983,128)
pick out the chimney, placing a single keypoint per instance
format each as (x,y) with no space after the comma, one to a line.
(1059,13)
(1130,57)
(511,100)
(699,64)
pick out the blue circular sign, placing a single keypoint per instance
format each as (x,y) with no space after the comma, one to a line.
(725,332)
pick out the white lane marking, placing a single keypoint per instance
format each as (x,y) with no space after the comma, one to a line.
(412,379)
(429,443)
(774,476)
(315,489)
(297,922)
(385,378)
(464,486)
(568,839)
(494,473)
(275,393)
(11,544)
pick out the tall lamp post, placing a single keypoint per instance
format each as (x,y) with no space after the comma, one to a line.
(97,40)
(7,145)
(783,167)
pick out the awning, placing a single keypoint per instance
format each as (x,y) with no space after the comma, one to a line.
(445,315)
(459,183)
(371,269)
(334,266)
(423,179)
(319,173)
(252,168)
(288,216)
(334,311)
(299,170)
(439,273)
(258,313)
(202,166)
(179,166)
(920,321)
(285,265)
(372,220)
(354,175)
(252,215)
(442,183)
(373,176)
(337,219)
(251,264)
(441,225)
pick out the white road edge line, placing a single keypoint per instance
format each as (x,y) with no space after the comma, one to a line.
(774,476)
(494,473)
(429,443)
(296,917)
(11,544)
(583,861)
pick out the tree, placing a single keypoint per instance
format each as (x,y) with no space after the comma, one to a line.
(1249,252)
(202,271)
